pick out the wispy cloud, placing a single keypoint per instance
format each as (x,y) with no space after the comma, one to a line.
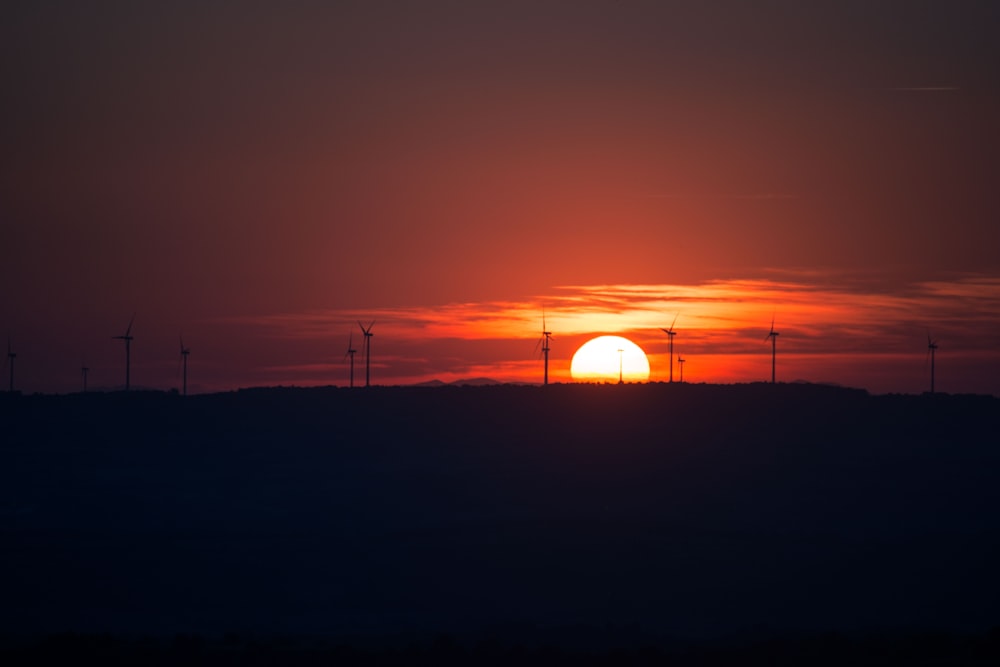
(825,321)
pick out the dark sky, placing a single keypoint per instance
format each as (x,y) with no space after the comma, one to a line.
(199,163)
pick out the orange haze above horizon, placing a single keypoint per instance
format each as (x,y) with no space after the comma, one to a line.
(258,176)
(842,334)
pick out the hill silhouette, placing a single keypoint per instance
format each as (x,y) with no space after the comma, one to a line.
(662,511)
(462,382)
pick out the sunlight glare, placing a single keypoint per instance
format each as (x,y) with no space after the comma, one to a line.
(606,358)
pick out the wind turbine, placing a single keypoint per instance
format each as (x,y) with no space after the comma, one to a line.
(368,350)
(773,335)
(184,358)
(11,356)
(620,351)
(350,353)
(680,362)
(83,371)
(932,346)
(128,340)
(544,342)
(671,333)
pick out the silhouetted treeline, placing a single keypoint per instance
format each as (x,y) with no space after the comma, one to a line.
(693,513)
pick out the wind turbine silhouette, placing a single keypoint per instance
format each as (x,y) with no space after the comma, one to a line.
(544,342)
(368,350)
(184,359)
(128,340)
(350,353)
(773,335)
(680,362)
(932,346)
(620,351)
(83,371)
(11,356)
(671,333)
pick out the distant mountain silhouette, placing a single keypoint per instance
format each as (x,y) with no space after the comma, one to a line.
(431,383)
(464,382)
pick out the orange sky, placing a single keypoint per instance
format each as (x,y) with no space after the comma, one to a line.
(258,177)
(828,333)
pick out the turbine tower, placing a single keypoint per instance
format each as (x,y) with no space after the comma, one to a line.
(184,359)
(680,362)
(368,350)
(671,333)
(620,351)
(544,342)
(83,372)
(11,356)
(773,335)
(932,346)
(350,353)
(128,340)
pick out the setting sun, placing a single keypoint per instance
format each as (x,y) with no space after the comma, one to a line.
(610,359)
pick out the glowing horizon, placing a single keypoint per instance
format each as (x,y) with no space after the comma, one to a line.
(829,333)
(834,329)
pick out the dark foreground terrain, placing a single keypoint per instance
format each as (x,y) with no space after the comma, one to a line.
(629,524)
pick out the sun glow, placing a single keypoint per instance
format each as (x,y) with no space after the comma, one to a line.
(609,359)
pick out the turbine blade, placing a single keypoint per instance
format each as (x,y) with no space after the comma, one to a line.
(129,329)
(674,322)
